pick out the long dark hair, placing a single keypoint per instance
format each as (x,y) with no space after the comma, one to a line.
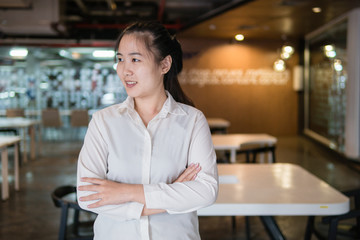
(159,42)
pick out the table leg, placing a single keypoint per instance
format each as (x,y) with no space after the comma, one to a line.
(32,142)
(272,228)
(16,166)
(4,173)
(233,155)
(39,139)
(24,145)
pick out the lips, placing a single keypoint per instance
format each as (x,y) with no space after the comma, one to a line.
(130,84)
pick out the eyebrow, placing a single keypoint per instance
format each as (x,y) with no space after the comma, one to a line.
(132,54)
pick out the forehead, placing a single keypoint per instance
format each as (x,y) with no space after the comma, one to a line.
(131,43)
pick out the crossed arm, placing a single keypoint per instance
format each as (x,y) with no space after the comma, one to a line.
(108,192)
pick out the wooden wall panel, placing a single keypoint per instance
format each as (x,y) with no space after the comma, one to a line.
(251,108)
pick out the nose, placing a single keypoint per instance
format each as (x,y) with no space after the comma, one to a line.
(124,69)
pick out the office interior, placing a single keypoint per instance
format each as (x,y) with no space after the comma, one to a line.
(294,74)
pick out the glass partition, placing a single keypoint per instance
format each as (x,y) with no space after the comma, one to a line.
(63,78)
(326,78)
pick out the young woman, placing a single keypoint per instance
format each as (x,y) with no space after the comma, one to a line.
(148,164)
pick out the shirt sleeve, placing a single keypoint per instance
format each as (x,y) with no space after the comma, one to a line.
(192,195)
(92,162)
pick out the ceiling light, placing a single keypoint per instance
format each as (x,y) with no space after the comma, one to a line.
(288,49)
(279,65)
(18,52)
(316,9)
(329,48)
(338,65)
(103,53)
(285,55)
(330,54)
(239,37)
(212,27)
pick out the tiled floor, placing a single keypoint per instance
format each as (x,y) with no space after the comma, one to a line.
(30,214)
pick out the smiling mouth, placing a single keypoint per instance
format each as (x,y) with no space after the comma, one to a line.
(130,83)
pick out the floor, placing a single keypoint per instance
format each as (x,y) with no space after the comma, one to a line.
(30,213)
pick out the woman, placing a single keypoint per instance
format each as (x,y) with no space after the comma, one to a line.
(148,164)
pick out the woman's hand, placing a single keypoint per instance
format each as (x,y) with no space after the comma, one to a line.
(189,174)
(110,192)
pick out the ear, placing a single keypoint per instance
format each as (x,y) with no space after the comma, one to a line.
(166,64)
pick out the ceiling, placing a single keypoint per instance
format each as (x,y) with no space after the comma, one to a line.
(221,19)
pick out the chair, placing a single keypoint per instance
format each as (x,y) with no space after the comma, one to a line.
(75,229)
(254,151)
(334,230)
(79,119)
(15,112)
(51,119)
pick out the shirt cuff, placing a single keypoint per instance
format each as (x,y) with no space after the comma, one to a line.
(134,210)
(153,195)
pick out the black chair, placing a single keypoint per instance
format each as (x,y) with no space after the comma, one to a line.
(72,228)
(333,222)
(254,151)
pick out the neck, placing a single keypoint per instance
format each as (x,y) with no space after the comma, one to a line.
(148,108)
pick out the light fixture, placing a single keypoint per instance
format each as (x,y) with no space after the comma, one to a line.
(18,52)
(287,49)
(75,55)
(239,37)
(279,65)
(338,65)
(103,53)
(329,51)
(316,9)
(285,55)
(329,47)
(212,27)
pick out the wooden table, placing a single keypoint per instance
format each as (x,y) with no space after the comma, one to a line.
(268,190)
(23,124)
(234,142)
(5,142)
(218,124)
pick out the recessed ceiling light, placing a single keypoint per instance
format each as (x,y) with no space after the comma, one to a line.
(316,9)
(212,27)
(239,37)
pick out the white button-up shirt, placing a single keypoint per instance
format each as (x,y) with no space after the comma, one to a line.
(119,147)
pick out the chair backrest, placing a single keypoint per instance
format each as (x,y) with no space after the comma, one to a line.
(60,197)
(15,112)
(51,117)
(79,118)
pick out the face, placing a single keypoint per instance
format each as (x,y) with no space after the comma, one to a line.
(141,75)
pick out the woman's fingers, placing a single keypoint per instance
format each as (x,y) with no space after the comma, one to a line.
(190,173)
(90,197)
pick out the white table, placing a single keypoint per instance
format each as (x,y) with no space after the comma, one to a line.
(267,190)
(218,124)
(5,142)
(23,124)
(234,142)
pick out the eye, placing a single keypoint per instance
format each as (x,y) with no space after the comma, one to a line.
(135,60)
(120,59)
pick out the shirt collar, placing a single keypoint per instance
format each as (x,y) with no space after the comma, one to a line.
(170,106)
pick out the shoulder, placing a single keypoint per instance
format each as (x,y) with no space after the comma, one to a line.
(191,111)
(108,112)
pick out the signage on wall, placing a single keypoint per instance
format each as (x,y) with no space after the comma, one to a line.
(202,77)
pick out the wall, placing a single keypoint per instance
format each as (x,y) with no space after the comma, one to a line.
(237,82)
